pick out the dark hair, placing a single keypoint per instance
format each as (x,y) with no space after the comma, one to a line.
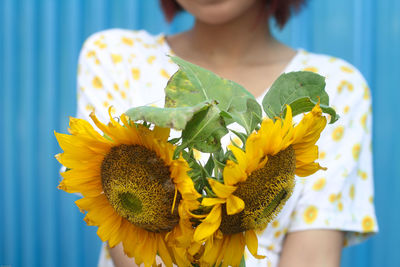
(281,10)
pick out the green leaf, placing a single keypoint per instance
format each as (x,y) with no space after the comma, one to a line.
(299,90)
(205,130)
(209,167)
(243,137)
(249,118)
(305,104)
(242,262)
(176,117)
(174,140)
(192,84)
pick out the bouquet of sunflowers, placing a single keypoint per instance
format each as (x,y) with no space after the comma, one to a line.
(147,190)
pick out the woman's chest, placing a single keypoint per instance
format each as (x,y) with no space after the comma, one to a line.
(255,78)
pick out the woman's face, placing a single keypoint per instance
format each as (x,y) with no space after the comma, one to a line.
(220,11)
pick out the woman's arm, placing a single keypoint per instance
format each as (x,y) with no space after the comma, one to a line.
(312,248)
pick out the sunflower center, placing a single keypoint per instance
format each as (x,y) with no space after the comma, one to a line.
(139,187)
(131,202)
(264,193)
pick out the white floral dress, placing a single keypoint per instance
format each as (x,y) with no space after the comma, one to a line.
(127,68)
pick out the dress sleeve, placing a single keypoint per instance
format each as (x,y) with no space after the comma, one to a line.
(102,80)
(341,197)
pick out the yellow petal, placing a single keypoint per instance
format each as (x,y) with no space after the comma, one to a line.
(161,133)
(213,248)
(221,190)
(130,239)
(234,205)
(150,250)
(252,243)
(224,247)
(307,155)
(288,122)
(240,157)
(89,203)
(83,129)
(118,235)
(233,174)
(308,169)
(317,111)
(163,251)
(254,152)
(80,148)
(180,257)
(274,139)
(118,133)
(90,189)
(234,251)
(194,248)
(70,161)
(209,225)
(109,227)
(310,127)
(212,201)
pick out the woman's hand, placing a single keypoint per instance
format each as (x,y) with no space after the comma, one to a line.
(312,248)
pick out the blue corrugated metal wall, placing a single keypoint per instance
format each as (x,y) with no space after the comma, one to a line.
(39,46)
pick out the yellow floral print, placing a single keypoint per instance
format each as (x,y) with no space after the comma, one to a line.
(363,121)
(97,83)
(277,234)
(312,69)
(345,84)
(164,73)
(310,214)
(135,73)
(352,191)
(319,184)
(126,84)
(367,223)
(127,41)
(116,58)
(346,69)
(151,59)
(337,134)
(356,151)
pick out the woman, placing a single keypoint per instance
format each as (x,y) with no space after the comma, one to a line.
(232,38)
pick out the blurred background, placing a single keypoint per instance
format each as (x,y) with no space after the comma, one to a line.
(39,47)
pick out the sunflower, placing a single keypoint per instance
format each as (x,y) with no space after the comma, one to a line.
(256,185)
(132,188)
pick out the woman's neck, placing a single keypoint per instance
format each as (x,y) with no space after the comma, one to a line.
(243,40)
(233,42)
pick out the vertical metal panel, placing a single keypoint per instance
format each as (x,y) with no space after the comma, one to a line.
(10,236)
(39,47)
(333,20)
(27,130)
(66,32)
(48,210)
(386,145)
(363,31)
(152,18)
(3,247)
(10,146)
